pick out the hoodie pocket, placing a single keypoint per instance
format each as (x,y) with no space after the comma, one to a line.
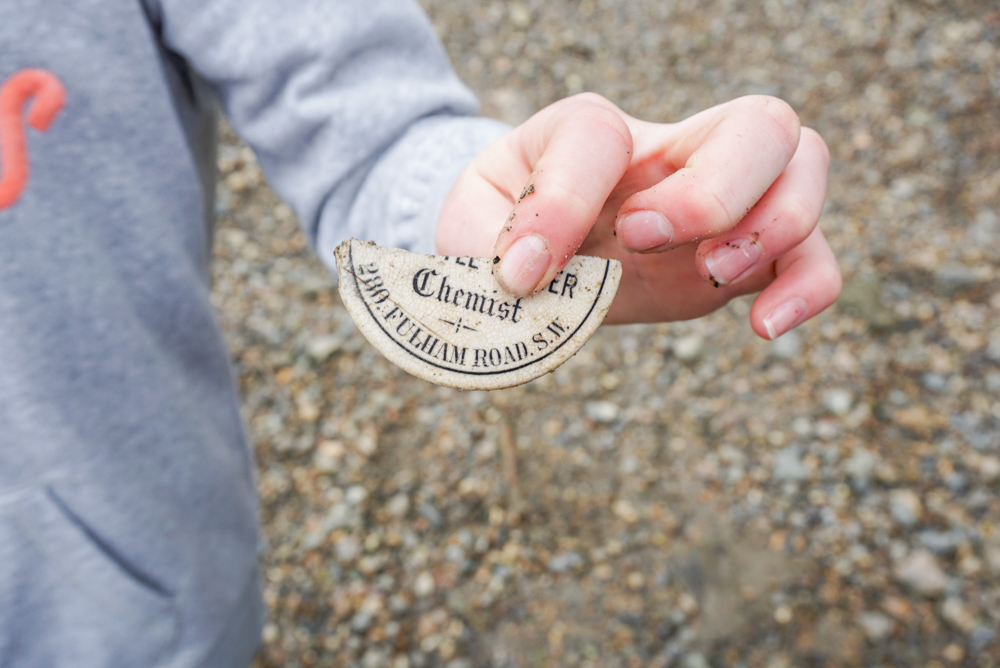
(66,597)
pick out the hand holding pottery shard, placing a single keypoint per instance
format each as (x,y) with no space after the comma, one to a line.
(446,320)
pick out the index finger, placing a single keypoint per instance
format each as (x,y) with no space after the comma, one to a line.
(715,167)
(577,151)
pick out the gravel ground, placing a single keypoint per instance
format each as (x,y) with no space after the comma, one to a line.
(675,495)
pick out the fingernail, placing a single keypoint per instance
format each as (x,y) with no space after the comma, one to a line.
(732,259)
(784,316)
(523,265)
(644,231)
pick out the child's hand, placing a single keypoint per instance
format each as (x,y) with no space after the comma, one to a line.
(722,204)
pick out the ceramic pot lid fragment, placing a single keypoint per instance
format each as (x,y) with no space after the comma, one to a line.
(447,320)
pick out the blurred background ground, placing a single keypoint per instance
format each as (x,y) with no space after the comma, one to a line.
(675,495)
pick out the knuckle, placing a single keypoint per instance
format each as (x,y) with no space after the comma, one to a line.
(591,98)
(603,117)
(613,124)
(779,116)
(813,138)
(708,212)
(802,216)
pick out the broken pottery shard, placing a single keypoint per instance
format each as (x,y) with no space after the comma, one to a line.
(446,320)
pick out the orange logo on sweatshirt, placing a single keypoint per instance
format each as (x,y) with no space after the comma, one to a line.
(49,97)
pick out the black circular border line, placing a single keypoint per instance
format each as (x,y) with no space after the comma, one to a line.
(350,255)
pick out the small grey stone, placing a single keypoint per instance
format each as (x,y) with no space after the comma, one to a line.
(431,514)
(565,561)
(956,613)
(322,347)
(920,571)
(399,505)
(860,466)
(398,604)
(898,398)
(981,637)
(454,554)
(838,401)
(984,231)
(340,516)
(696,660)
(688,348)
(875,625)
(347,549)
(934,382)
(629,465)
(786,346)
(375,658)
(788,466)
(941,543)
(424,585)
(520,16)
(993,348)
(953,278)
(905,507)
(361,622)
(602,411)
(355,495)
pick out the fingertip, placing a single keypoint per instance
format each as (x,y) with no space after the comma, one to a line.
(524,264)
(784,317)
(813,137)
(784,117)
(644,231)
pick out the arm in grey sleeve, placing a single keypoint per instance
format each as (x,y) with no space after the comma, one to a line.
(353,110)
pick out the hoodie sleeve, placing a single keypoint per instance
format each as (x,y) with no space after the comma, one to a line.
(352,108)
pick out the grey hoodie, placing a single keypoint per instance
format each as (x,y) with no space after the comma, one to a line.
(128,526)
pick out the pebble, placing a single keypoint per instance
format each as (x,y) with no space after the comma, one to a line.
(954,278)
(875,625)
(565,561)
(696,660)
(981,637)
(920,571)
(604,412)
(783,614)
(688,348)
(957,614)
(788,465)
(905,506)
(361,622)
(860,466)
(424,585)
(625,510)
(520,16)
(355,495)
(941,543)
(953,653)
(635,581)
(347,548)
(398,506)
(786,346)
(322,347)
(838,401)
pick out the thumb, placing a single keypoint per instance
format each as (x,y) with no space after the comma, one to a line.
(578,150)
